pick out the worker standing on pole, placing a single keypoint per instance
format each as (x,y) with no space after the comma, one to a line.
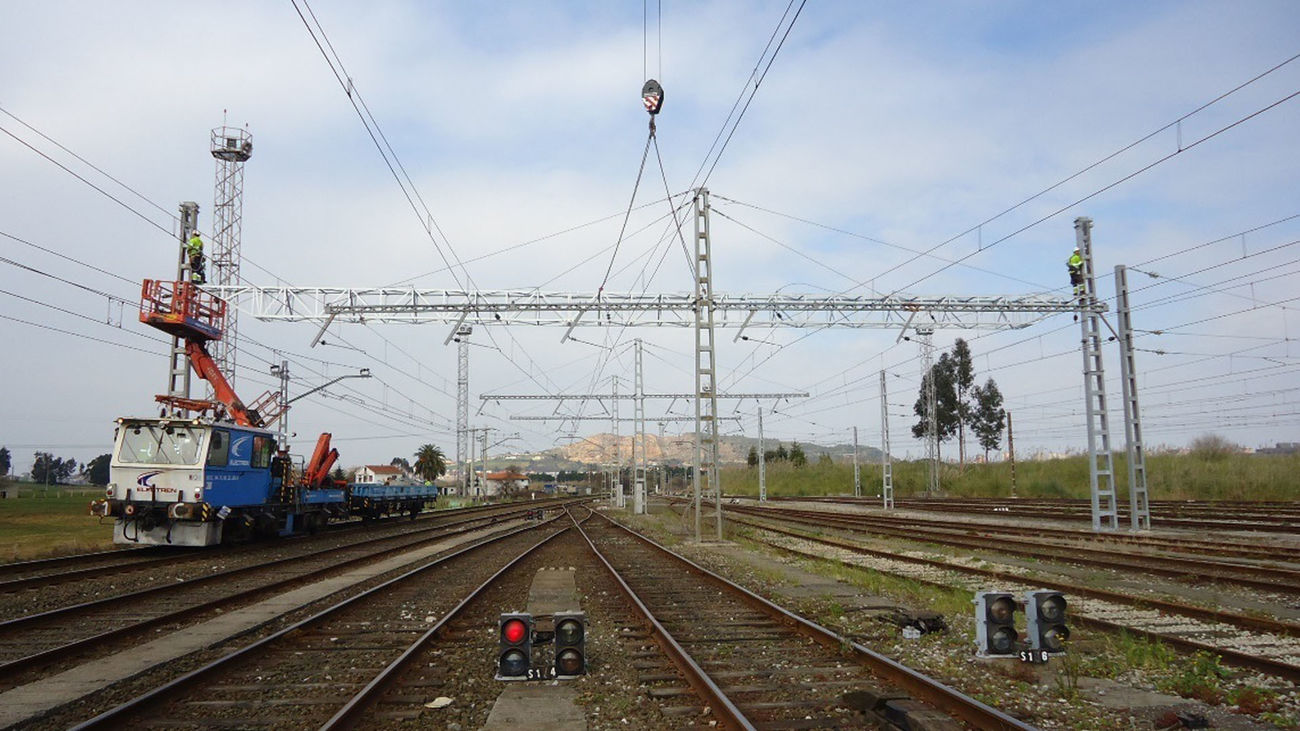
(1075,265)
(194,249)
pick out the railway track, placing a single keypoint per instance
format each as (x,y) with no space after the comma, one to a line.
(31,643)
(761,666)
(373,660)
(732,658)
(1223,548)
(1049,546)
(1258,643)
(1211,515)
(45,573)
(301,675)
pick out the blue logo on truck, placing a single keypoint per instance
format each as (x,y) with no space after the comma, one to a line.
(143,480)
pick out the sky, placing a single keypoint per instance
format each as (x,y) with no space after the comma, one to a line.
(927,148)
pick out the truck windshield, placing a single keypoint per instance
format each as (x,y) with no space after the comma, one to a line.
(152,444)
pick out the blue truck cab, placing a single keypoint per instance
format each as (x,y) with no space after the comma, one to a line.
(188,482)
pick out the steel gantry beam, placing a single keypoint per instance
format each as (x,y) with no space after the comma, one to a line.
(576,309)
(629,396)
(562,417)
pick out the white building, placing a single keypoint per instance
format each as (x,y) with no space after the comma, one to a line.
(382,474)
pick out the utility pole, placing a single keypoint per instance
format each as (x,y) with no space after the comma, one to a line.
(461,335)
(857,478)
(282,371)
(178,370)
(482,456)
(925,334)
(471,485)
(1011,447)
(638,440)
(886,467)
(1139,508)
(231,147)
(1101,475)
(621,501)
(762,462)
(663,462)
(706,392)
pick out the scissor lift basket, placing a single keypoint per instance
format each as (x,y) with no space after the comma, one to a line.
(182,309)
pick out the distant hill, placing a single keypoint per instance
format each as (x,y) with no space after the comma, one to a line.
(591,451)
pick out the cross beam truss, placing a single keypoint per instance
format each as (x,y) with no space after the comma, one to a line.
(574,309)
(629,396)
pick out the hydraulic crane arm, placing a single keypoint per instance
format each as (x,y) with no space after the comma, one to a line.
(221,388)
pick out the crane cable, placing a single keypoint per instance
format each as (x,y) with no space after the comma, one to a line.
(628,214)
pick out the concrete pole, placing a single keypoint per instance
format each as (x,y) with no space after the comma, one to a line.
(762,463)
(857,475)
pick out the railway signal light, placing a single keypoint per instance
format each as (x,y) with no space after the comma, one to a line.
(995,624)
(1045,611)
(515,653)
(570,644)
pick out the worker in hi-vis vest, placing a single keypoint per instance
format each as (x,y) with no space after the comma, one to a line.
(194,249)
(1075,265)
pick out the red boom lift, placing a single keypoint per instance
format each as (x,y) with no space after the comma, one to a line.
(185,311)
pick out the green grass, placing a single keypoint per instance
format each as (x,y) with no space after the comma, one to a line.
(42,523)
(1169,477)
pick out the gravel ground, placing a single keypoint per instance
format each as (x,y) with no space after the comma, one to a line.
(114,695)
(612,693)
(1039,693)
(191,563)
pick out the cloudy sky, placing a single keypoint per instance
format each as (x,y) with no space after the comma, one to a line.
(886,141)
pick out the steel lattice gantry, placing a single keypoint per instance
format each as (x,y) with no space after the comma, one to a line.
(615,309)
(231,148)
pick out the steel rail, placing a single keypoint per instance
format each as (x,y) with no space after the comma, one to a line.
(1163,542)
(1176,567)
(139,563)
(1244,621)
(23,664)
(729,714)
(40,563)
(1285,522)
(351,713)
(147,561)
(919,685)
(114,717)
(1232,657)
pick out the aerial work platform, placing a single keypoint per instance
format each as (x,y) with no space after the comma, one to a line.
(182,309)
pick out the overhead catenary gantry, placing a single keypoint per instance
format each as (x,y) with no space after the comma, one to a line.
(703,309)
(413,305)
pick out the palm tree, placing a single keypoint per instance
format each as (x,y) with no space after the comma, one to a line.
(430,462)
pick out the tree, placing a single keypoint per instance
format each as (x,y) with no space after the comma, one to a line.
(752,459)
(430,462)
(781,454)
(963,380)
(825,459)
(945,402)
(339,475)
(988,418)
(797,457)
(52,470)
(5,461)
(96,471)
(400,462)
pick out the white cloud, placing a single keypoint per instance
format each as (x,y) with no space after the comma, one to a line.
(908,124)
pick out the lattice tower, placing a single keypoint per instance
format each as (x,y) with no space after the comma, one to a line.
(231,148)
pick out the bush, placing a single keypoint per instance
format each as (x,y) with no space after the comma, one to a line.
(1213,448)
